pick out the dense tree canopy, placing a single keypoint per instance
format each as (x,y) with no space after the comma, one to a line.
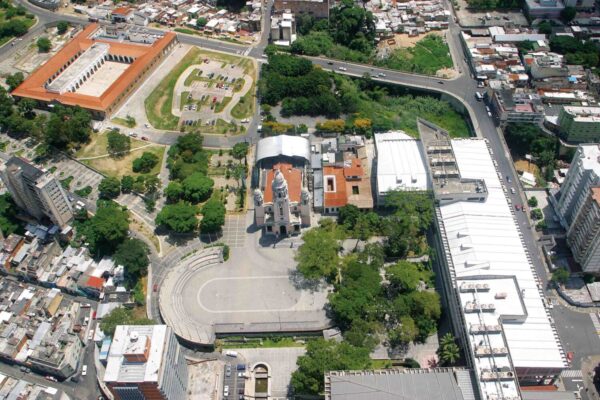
(173,192)
(318,256)
(179,217)
(14,80)
(121,316)
(145,163)
(322,356)
(109,188)
(44,44)
(197,187)
(117,143)
(107,229)
(62,27)
(213,216)
(8,213)
(68,125)
(133,255)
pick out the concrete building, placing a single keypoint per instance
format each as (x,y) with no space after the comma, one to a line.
(584,173)
(546,65)
(517,106)
(13,388)
(284,205)
(493,294)
(400,164)
(544,8)
(146,362)
(583,236)
(414,384)
(316,8)
(283,29)
(580,124)
(36,191)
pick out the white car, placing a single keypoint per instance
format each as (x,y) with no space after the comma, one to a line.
(512,190)
(343,69)
(226,391)
(84,370)
(245,121)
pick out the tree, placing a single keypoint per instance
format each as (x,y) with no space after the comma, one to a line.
(561,275)
(133,255)
(568,14)
(213,216)
(238,172)
(405,333)
(62,27)
(532,201)
(145,163)
(348,216)
(121,316)
(322,356)
(173,192)
(8,213)
(201,22)
(536,213)
(109,188)
(107,229)
(127,183)
(449,351)
(545,27)
(239,151)
(197,187)
(44,44)
(117,143)
(405,276)
(67,126)
(179,217)
(14,80)
(318,256)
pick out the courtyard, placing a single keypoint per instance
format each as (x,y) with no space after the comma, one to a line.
(255,291)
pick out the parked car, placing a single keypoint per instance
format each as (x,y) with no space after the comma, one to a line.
(84,370)
(50,378)
(512,190)
(144,138)
(226,391)
(231,353)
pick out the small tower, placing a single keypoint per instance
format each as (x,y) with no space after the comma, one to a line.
(281,203)
(305,207)
(259,208)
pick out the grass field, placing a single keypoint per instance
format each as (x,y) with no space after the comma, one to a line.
(129,123)
(158,105)
(245,107)
(429,55)
(117,167)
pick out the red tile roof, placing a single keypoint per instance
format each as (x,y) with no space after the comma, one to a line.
(95,282)
(293,176)
(337,198)
(34,86)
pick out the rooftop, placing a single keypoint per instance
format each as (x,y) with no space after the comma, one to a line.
(282,145)
(293,178)
(118,369)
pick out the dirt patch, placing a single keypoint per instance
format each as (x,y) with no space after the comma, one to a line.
(524,165)
(404,40)
(447,73)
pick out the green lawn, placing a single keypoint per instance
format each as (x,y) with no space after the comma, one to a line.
(124,122)
(245,106)
(29,22)
(427,56)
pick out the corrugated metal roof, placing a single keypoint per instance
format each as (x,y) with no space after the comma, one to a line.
(283,145)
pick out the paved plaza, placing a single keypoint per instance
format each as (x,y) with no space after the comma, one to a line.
(256,291)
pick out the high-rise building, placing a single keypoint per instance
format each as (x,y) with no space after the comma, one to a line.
(580,124)
(583,174)
(146,362)
(36,191)
(583,236)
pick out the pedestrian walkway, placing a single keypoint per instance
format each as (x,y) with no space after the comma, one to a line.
(572,373)
(596,322)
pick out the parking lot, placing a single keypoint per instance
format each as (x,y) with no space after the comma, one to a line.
(234,381)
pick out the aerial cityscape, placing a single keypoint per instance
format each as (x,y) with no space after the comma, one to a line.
(300,199)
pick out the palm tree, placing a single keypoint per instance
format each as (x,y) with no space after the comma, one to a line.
(450,353)
(447,339)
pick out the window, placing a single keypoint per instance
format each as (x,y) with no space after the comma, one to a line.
(330,184)
(355,190)
(269,228)
(281,210)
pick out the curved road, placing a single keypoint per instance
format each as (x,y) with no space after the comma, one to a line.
(462,89)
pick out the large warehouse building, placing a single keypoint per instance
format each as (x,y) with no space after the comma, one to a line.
(493,292)
(96,70)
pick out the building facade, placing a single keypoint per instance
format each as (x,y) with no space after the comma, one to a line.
(36,191)
(580,124)
(583,174)
(517,107)
(583,236)
(284,207)
(146,362)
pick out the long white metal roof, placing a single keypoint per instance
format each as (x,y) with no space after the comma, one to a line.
(486,248)
(283,145)
(400,163)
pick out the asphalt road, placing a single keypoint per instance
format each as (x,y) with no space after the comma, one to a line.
(462,88)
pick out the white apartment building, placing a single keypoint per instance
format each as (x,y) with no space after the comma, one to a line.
(146,362)
(36,191)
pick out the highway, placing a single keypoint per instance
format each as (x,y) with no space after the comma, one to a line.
(462,88)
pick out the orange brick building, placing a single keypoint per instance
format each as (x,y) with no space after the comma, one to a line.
(95,71)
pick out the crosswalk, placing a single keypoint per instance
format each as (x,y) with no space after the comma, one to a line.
(572,373)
